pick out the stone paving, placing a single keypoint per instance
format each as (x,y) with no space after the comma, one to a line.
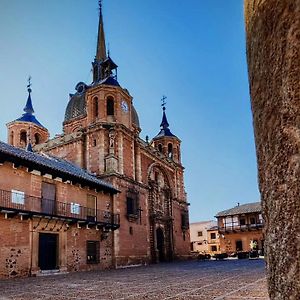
(202,280)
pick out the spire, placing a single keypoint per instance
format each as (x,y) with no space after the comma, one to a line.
(101,47)
(104,69)
(164,123)
(28,107)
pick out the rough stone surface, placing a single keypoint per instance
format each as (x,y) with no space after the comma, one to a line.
(205,280)
(273,51)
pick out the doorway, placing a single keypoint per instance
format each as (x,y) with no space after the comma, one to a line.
(239,245)
(160,244)
(48,246)
(48,198)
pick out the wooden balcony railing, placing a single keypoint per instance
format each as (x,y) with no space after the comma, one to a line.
(15,202)
(236,226)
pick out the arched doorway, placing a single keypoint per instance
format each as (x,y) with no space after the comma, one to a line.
(160,214)
(160,244)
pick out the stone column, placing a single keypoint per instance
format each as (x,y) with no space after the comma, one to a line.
(273,52)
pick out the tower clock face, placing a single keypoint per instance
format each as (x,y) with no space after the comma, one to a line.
(124,106)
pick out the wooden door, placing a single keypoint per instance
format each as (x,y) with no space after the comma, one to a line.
(48,245)
(48,198)
(91,207)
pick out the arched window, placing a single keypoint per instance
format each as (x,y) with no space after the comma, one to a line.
(170,150)
(37,138)
(110,106)
(95,107)
(11,138)
(160,148)
(23,137)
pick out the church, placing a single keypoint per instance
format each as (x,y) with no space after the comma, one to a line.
(121,197)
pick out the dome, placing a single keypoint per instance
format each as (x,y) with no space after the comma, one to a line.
(135,117)
(76,107)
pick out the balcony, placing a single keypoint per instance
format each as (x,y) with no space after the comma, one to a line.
(237,227)
(12,203)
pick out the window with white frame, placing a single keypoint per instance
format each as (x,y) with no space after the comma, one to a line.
(75,208)
(17,197)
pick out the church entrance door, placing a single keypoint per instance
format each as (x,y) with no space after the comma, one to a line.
(160,244)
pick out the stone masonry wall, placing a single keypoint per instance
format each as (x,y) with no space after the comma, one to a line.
(273,52)
(14,247)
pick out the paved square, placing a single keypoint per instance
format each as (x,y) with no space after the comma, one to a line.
(203,280)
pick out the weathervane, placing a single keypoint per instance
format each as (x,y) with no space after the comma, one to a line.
(163,102)
(29,84)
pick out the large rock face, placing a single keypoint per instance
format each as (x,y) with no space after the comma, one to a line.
(273,51)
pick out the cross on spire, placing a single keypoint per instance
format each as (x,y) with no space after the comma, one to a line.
(163,102)
(29,84)
(100,6)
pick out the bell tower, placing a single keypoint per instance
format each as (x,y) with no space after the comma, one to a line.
(165,141)
(27,131)
(103,65)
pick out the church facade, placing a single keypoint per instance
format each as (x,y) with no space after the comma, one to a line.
(101,135)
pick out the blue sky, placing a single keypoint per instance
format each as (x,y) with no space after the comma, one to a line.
(192,51)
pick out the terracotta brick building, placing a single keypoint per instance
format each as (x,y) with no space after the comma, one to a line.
(240,228)
(53,215)
(101,135)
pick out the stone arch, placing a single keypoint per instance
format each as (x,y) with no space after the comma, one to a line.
(160,213)
(95,108)
(110,106)
(23,137)
(166,174)
(11,138)
(37,138)
(170,150)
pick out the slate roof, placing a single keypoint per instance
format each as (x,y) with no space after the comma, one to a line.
(76,106)
(164,132)
(164,125)
(54,166)
(29,118)
(247,208)
(28,115)
(110,81)
(135,117)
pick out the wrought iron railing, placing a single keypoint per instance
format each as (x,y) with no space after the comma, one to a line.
(236,226)
(19,202)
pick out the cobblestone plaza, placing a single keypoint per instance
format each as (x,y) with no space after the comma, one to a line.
(203,280)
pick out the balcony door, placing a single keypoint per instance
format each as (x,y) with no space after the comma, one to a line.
(48,198)
(91,208)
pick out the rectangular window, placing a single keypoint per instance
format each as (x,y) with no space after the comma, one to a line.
(17,197)
(242,221)
(213,235)
(132,206)
(252,221)
(213,248)
(92,252)
(200,233)
(75,208)
(184,220)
